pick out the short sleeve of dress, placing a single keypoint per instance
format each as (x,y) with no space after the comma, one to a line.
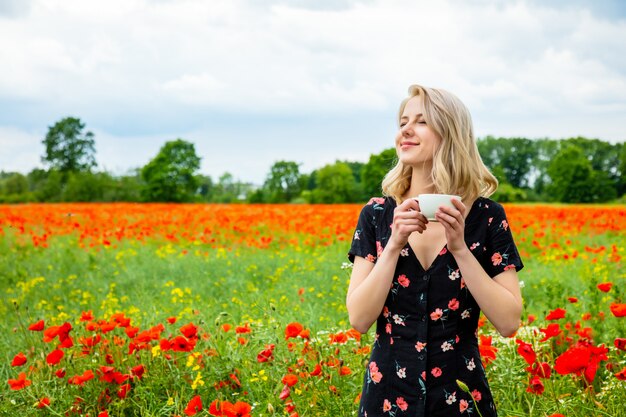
(364,239)
(502,252)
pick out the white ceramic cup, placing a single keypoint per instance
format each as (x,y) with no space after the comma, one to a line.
(429,203)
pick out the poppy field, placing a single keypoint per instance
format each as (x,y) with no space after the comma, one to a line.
(239,310)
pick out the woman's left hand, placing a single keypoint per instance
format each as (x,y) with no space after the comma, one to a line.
(453,222)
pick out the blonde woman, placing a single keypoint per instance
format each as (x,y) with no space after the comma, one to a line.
(424,282)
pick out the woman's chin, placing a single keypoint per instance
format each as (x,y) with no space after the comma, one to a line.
(410,160)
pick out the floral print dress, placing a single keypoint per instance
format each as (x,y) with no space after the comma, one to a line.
(426,333)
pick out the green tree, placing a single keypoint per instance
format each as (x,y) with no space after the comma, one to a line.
(515,156)
(14,188)
(335,184)
(571,176)
(16,183)
(126,187)
(93,186)
(68,147)
(622,170)
(49,186)
(229,190)
(546,151)
(171,175)
(603,156)
(206,188)
(283,182)
(375,169)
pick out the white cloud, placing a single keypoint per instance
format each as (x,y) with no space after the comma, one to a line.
(156,68)
(18,150)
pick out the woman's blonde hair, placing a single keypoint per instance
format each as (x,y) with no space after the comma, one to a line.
(457,166)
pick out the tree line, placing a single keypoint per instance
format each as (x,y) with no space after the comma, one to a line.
(573,170)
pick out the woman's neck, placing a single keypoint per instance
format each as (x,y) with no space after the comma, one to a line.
(421,182)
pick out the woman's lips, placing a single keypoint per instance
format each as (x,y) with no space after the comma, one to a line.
(407,145)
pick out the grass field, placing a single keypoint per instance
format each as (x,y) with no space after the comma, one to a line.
(234,310)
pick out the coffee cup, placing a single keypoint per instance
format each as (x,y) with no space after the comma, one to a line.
(430,203)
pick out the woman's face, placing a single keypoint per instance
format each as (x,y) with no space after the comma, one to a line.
(416,142)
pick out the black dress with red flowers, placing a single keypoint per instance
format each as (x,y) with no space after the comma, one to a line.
(426,333)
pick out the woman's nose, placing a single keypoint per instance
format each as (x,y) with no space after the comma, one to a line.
(407,131)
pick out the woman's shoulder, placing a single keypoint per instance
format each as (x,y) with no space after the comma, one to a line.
(488,204)
(379,201)
(377,208)
(489,208)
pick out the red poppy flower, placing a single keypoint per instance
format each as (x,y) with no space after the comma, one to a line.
(572,299)
(226,327)
(620,343)
(557,314)
(354,334)
(215,409)
(89,342)
(526,351)
(621,375)
(293,330)
(66,343)
(81,379)
(243,329)
(86,316)
(266,354)
(605,286)
(580,359)
(618,310)
(138,371)
(107,327)
(54,357)
(542,370)
(171,320)
(535,386)
(120,320)
(37,326)
(241,409)
(44,402)
(235,380)
(487,351)
(19,383)
(290,380)
(338,338)
(104,414)
(573,360)
(190,331)
(19,359)
(194,406)
(344,370)
(131,331)
(60,373)
(552,330)
(62,332)
(181,344)
(122,392)
(317,371)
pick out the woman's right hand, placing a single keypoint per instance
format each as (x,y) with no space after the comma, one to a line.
(407,219)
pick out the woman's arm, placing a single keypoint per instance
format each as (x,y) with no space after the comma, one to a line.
(370,283)
(499,297)
(369,286)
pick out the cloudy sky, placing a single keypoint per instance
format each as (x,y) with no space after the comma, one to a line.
(250,82)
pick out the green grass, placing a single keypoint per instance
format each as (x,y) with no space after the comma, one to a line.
(267,289)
